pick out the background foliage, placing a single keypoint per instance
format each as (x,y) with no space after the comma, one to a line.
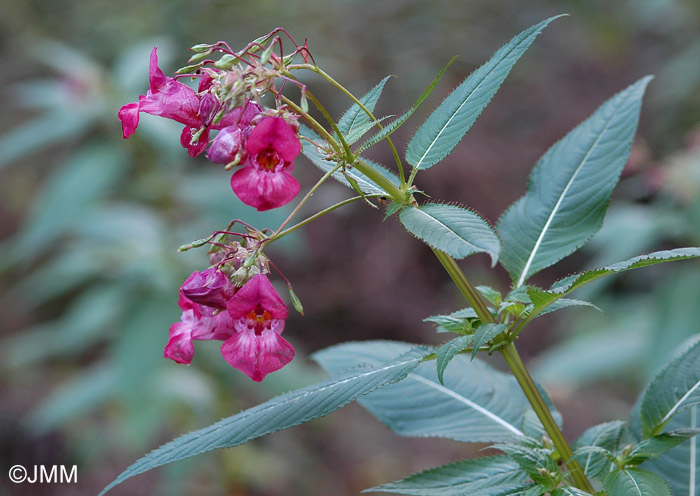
(90,224)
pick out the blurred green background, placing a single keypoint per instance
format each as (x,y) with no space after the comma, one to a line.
(90,224)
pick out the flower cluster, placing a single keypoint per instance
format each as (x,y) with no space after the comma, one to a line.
(249,319)
(264,143)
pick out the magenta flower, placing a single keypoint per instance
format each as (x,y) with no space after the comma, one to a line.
(197,322)
(258,314)
(171,99)
(211,288)
(265,181)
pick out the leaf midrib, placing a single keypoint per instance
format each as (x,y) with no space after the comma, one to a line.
(448,228)
(531,258)
(467,402)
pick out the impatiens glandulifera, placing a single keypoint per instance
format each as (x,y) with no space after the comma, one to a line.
(258,314)
(469,401)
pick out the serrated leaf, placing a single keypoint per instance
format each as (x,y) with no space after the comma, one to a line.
(570,188)
(484,333)
(448,351)
(488,476)
(606,436)
(396,123)
(281,412)
(445,127)
(657,445)
(674,389)
(454,322)
(544,298)
(476,403)
(365,184)
(492,295)
(680,466)
(454,230)
(358,132)
(531,460)
(636,482)
(355,118)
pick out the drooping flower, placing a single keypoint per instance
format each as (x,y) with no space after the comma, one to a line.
(197,322)
(258,314)
(167,97)
(211,288)
(265,181)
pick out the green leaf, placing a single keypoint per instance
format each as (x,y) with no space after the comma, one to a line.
(544,298)
(365,184)
(636,482)
(488,476)
(680,466)
(674,389)
(445,127)
(658,445)
(355,118)
(448,351)
(570,188)
(569,491)
(455,230)
(455,322)
(394,125)
(531,460)
(492,295)
(466,408)
(484,333)
(606,436)
(281,412)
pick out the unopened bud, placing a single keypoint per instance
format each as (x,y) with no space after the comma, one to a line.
(227,146)
(296,302)
(204,47)
(198,57)
(225,62)
(187,69)
(265,57)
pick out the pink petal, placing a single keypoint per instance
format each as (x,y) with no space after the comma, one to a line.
(277,134)
(180,347)
(264,190)
(169,98)
(196,148)
(129,116)
(257,291)
(240,116)
(256,356)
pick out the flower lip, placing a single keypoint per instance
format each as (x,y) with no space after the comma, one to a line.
(257,293)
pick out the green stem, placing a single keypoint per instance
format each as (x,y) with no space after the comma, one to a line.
(320,214)
(390,188)
(355,100)
(465,287)
(516,365)
(308,195)
(512,359)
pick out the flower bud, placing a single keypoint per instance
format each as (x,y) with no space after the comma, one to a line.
(208,107)
(227,145)
(211,288)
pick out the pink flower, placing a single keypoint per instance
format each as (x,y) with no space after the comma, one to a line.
(171,99)
(258,314)
(197,322)
(265,181)
(211,288)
